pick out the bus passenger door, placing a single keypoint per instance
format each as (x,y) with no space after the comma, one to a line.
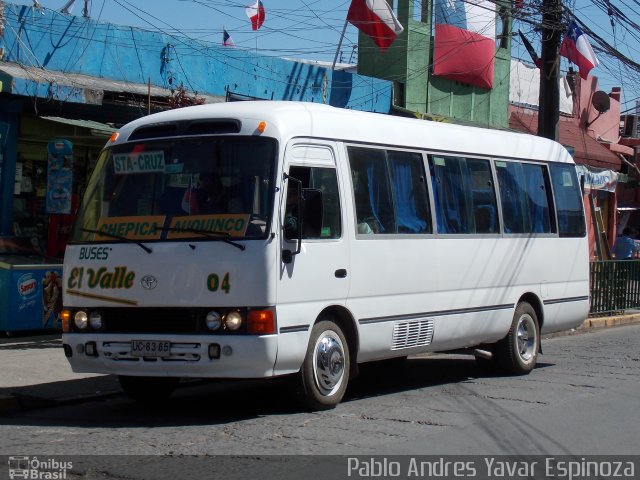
(313,272)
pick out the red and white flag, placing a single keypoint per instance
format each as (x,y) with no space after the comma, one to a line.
(465,41)
(376,19)
(256,14)
(577,49)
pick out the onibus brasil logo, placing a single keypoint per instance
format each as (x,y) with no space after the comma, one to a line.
(35,469)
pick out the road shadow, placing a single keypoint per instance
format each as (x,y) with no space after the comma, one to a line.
(39,340)
(218,402)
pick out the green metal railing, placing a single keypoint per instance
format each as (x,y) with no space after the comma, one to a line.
(615,286)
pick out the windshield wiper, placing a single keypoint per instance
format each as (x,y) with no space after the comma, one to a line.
(219,236)
(118,237)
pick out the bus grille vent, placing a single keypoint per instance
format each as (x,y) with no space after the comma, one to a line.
(412,333)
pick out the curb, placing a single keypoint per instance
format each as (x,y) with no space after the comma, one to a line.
(603,322)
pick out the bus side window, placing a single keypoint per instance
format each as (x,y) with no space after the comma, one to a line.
(371,190)
(451,194)
(568,200)
(390,191)
(325,180)
(539,193)
(464,195)
(410,192)
(525,197)
(513,197)
(483,196)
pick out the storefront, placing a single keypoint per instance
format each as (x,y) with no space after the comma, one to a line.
(49,159)
(600,187)
(54,158)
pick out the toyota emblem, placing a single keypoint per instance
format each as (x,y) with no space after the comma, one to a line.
(149,282)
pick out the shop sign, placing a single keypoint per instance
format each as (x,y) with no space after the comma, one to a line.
(596,179)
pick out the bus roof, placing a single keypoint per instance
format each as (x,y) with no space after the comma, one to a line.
(285,120)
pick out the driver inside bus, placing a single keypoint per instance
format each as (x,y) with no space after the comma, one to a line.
(215,197)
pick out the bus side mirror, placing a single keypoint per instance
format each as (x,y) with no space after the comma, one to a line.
(309,223)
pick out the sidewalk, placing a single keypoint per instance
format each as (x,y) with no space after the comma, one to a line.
(34,372)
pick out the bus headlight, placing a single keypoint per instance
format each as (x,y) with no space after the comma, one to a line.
(213,320)
(81,320)
(233,320)
(95,320)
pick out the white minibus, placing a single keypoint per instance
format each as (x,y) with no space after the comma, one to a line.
(268,239)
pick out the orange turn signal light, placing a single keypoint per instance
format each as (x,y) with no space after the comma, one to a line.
(65,316)
(114,136)
(261,127)
(261,322)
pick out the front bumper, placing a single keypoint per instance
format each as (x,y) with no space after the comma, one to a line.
(241,356)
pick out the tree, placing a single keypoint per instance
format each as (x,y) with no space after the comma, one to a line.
(179,98)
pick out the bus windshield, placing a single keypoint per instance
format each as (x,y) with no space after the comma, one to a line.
(189,188)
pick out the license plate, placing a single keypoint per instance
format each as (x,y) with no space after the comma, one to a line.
(150,348)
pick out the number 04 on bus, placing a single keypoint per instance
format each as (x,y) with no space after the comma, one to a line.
(269,239)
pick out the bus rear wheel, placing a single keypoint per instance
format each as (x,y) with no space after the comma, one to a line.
(517,353)
(324,375)
(146,389)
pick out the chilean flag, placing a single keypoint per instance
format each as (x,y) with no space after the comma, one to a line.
(577,49)
(465,41)
(227,41)
(256,15)
(376,19)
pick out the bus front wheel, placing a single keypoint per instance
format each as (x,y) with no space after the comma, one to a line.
(517,353)
(324,374)
(146,389)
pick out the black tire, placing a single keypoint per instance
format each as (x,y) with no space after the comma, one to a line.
(517,353)
(147,389)
(324,374)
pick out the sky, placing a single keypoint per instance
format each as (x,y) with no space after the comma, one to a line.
(311,29)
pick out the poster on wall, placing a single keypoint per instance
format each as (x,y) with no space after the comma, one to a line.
(59,176)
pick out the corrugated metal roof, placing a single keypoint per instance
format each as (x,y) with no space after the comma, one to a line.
(587,151)
(97,127)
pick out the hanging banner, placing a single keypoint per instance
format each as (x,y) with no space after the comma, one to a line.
(596,179)
(59,176)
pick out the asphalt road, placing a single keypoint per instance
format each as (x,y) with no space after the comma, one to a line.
(582,399)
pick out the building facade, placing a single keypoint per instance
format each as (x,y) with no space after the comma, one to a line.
(72,79)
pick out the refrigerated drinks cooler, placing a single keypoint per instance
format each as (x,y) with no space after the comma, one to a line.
(30,288)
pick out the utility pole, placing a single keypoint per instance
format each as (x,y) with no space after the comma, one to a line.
(549,104)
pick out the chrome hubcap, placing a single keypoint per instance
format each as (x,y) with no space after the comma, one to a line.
(328,364)
(526,338)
